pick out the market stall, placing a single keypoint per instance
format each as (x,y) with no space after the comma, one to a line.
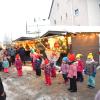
(55,40)
(26,42)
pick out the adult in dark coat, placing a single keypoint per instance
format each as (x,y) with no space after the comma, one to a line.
(2,92)
(21,52)
(62,54)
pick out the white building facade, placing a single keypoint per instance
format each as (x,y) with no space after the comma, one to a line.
(75,12)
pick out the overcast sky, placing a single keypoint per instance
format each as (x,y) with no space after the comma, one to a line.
(15,13)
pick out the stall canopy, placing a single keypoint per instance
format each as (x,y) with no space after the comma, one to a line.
(24,38)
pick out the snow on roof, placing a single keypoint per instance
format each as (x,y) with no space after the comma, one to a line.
(74,29)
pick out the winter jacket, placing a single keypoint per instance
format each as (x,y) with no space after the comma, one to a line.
(52,64)
(80,66)
(37,64)
(18,63)
(64,68)
(47,69)
(21,52)
(11,52)
(5,64)
(72,71)
(90,67)
(33,56)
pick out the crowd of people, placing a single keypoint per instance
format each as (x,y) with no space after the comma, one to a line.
(72,66)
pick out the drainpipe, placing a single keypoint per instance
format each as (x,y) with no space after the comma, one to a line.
(72,12)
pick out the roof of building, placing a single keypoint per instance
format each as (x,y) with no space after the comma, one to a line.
(24,38)
(51,9)
(52,33)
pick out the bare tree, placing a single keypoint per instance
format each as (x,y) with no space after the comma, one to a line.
(6,40)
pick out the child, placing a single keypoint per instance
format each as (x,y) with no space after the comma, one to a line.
(18,64)
(72,73)
(38,66)
(54,57)
(64,68)
(5,65)
(47,72)
(53,63)
(32,55)
(53,69)
(80,68)
(91,70)
(37,62)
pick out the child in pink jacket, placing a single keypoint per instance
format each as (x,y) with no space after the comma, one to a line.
(33,57)
(64,69)
(18,64)
(72,73)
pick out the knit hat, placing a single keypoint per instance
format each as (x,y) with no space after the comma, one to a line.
(46,61)
(71,57)
(90,56)
(65,59)
(32,50)
(78,56)
(17,56)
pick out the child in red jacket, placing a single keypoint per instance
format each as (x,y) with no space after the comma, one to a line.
(47,72)
(18,64)
(80,68)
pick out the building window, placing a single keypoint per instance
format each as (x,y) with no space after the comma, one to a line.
(76,12)
(66,15)
(57,5)
(61,18)
(55,22)
(99,5)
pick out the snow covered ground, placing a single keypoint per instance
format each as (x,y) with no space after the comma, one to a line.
(30,87)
